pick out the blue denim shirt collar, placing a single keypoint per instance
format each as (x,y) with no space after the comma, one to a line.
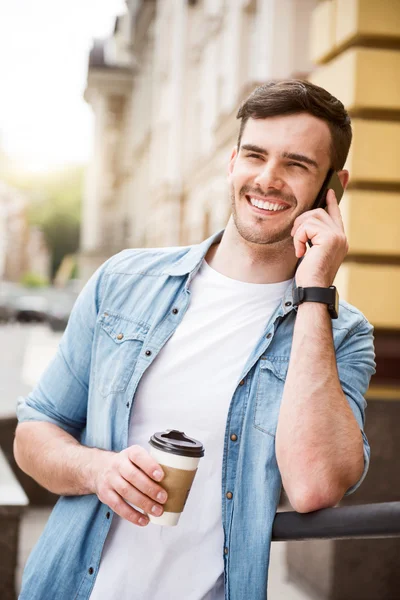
(191,262)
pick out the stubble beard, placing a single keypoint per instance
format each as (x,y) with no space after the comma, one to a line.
(251,235)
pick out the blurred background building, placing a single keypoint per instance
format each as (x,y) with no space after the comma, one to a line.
(165,89)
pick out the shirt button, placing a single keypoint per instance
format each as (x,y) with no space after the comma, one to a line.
(175,311)
(269,336)
(120,336)
(108,515)
(90,571)
(233,437)
(225,550)
(148,353)
(229,495)
(288,304)
(242,382)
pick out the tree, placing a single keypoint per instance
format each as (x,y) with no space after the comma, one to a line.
(56,209)
(55,205)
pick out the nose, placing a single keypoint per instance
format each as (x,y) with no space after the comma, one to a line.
(269,177)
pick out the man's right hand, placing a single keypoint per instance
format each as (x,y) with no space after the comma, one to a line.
(130,476)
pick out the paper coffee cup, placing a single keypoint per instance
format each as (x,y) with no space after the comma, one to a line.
(179,457)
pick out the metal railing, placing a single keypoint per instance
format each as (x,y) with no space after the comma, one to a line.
(347,522)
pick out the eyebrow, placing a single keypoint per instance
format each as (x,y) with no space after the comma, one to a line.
(291,155)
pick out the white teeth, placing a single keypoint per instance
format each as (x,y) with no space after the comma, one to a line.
(266,205)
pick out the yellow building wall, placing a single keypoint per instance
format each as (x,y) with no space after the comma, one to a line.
(373,289)
(338,24)
(363,78)
(372,222)
(375,152)
(356,47)
(323,25)
(366,19)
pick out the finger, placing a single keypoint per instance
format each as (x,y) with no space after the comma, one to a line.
(122,509)
(318,213)
(134,496)
(140,457)
(332,207)
(311,229)
(142,482)
(299,244)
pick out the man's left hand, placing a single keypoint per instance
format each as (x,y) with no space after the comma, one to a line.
(329,244)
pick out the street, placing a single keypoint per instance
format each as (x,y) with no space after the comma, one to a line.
(25,352)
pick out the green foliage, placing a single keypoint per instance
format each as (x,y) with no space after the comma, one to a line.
(57,211)
(55,208)
(75,271)
(33,280)
(62,233)
(57,194)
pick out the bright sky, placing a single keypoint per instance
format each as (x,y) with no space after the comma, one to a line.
(44,50)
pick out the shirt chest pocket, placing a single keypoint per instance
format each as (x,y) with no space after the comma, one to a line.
(119,345)
(271,380)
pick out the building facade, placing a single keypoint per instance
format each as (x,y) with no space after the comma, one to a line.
(165,89)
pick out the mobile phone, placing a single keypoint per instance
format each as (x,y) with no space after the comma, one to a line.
(333,182)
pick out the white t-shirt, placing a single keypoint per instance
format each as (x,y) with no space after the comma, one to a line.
(189,387)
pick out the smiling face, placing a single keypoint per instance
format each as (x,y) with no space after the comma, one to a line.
(276,174)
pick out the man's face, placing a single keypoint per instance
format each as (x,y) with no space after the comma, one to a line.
(282,161)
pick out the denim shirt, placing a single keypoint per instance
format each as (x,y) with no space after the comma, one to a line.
(121,320)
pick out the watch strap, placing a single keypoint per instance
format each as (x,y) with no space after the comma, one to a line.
(326,296)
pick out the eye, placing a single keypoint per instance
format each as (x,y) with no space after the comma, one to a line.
(257,156)
(296,164)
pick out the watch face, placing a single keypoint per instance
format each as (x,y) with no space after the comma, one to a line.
(335,303)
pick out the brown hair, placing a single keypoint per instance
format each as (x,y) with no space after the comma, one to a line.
(294,96)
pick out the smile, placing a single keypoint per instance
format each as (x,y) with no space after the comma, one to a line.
(266,206)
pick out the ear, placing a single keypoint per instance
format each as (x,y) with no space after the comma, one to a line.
(344,178)
(232,160)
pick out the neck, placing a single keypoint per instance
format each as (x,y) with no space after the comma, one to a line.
(249,262)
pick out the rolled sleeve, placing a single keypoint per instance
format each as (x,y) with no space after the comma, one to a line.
(367,454)
(61,395)
(356,365)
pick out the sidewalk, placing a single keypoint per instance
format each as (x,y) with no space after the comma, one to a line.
(35,518)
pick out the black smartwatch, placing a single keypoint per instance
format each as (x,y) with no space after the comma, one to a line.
(327,296)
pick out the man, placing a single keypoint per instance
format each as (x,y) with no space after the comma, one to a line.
(206,339)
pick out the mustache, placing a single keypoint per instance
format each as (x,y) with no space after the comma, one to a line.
(290,199)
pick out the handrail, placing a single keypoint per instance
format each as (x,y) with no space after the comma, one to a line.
(346,522)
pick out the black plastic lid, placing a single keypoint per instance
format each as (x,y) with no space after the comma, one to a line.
(176,442)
